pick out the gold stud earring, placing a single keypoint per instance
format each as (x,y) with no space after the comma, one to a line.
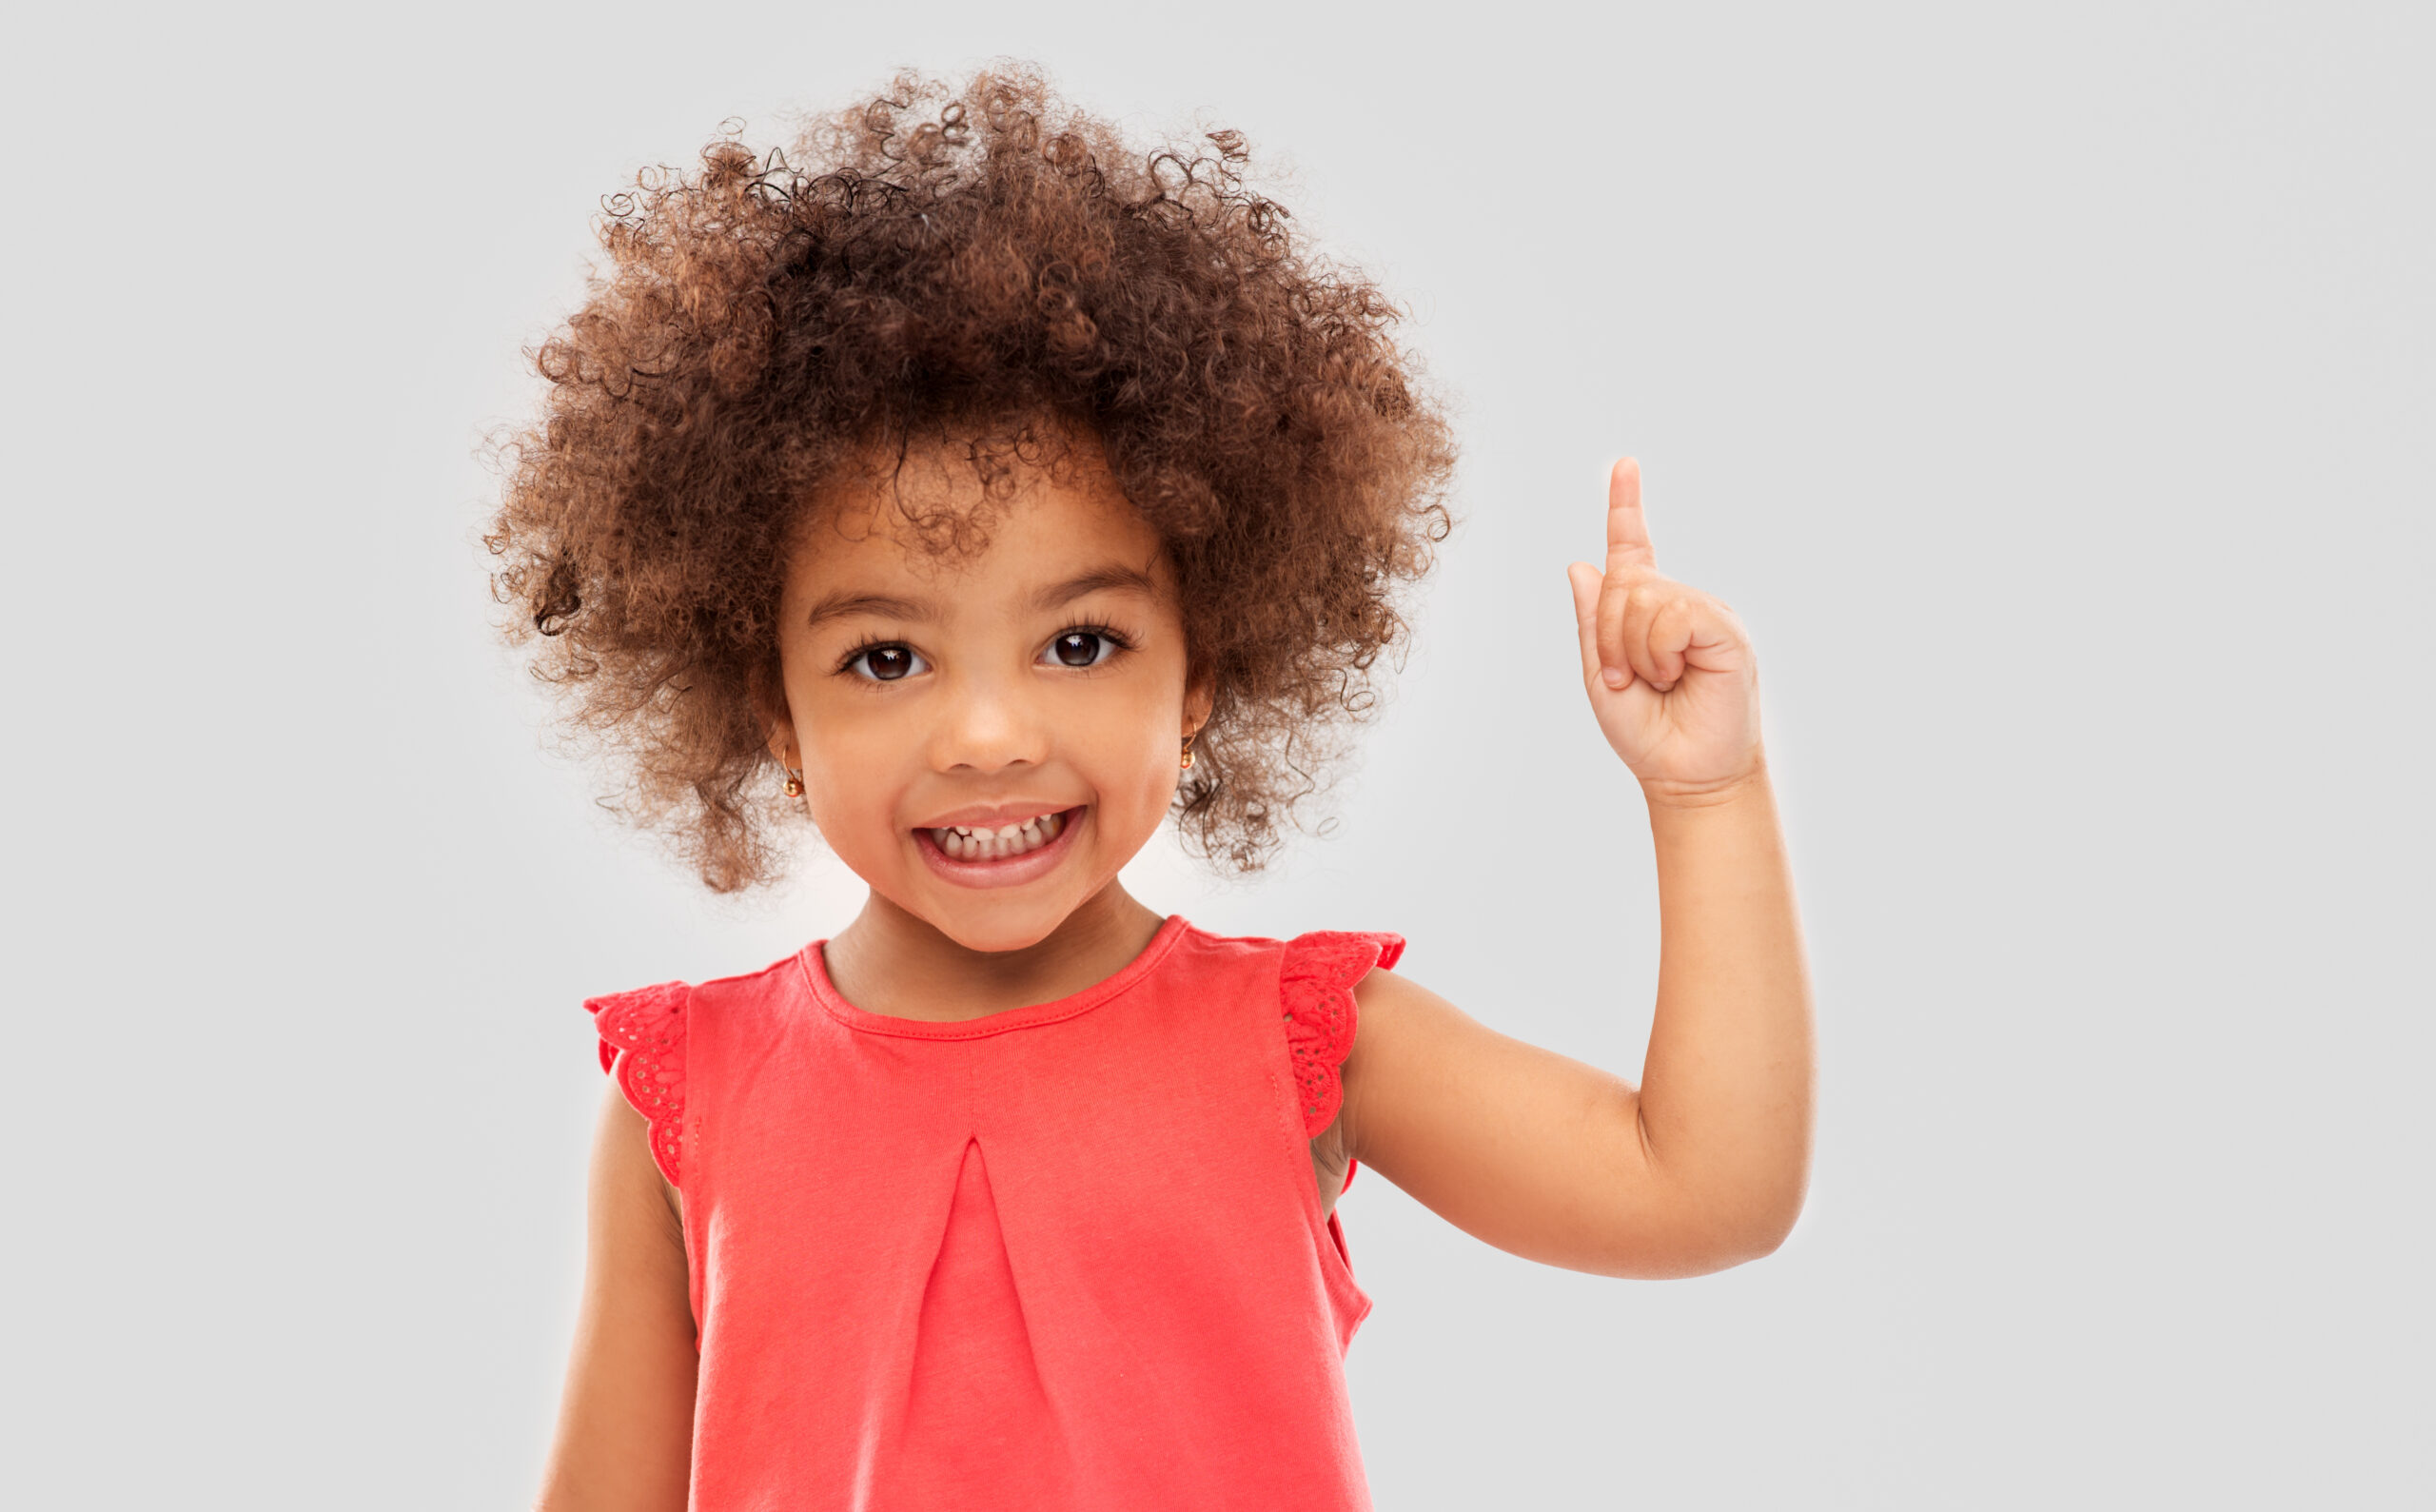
(795,784)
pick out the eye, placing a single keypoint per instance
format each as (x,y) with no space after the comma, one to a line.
(886,663)
(1082,647)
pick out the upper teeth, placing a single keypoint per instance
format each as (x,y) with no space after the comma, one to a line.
(980,843)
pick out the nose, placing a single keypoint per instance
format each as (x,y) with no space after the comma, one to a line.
(990,722)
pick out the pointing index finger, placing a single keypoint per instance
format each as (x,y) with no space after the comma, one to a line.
(1629,555)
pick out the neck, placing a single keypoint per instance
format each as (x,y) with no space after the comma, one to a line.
(893,962)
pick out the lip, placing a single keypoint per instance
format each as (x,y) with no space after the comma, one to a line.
(1029,867)
(994,816)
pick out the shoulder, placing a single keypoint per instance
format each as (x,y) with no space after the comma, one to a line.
(1315,976)
(642,1048)
(626,1018)
(1345,955)
(1334,955)
(1318,977)
(1409,1037)
(639,1018)
(648,1036)
(1384,995)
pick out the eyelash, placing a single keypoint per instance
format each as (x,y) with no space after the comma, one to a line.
(865,647)
(1118,640)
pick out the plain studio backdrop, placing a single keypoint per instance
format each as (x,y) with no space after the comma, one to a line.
(2051,394)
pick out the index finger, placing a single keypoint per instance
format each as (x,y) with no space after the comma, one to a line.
(1629,554)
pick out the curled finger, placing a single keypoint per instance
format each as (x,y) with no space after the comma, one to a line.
(1642,605)
(1670,630)
(1615,664)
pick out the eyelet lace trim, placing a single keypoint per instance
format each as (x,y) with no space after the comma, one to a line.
(642,1045)
(1316,985)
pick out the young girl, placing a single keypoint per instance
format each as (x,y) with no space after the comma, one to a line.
(986,494)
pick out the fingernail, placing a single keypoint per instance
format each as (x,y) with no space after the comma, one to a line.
(1613,676)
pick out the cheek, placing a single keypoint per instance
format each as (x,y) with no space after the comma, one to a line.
(1134,756)
(853,764)
(839,805)
(841,810)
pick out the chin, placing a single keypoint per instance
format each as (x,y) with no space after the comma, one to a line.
(998,926)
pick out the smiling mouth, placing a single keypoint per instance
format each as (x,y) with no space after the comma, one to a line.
(979,843)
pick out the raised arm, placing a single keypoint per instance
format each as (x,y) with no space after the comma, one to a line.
(1703,1166)
(625,1434)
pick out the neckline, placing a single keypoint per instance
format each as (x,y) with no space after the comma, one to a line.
(824,991)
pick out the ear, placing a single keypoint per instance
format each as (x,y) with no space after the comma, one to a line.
(1200,696)
(769,703)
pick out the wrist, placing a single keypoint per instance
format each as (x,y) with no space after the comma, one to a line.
(1690,797)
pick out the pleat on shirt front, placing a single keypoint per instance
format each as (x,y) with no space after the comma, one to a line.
(978,1431)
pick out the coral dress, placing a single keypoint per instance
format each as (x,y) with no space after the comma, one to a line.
(1070,1255)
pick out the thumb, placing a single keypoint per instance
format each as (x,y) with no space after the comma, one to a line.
(1586,582)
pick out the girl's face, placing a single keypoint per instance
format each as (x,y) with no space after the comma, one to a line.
(985,738)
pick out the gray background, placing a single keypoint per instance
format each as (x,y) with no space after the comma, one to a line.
(2050,393)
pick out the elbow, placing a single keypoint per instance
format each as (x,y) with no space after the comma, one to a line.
(1704,1239)
(1671,1218)
(1760,1241)
(1759,1231)
(1706,1253)
(1757,1224)
(1768,1221)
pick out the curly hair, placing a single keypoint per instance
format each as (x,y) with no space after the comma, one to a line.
(938,254)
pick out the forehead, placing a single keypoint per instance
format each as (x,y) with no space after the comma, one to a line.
(946,508)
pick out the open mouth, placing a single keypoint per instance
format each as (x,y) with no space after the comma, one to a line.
(1000,856)
(972,843)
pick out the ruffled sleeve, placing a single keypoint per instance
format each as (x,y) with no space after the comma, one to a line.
(1316,986)
(642,1045)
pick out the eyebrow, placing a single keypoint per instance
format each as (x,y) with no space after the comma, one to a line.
(840,606)
(1098,580)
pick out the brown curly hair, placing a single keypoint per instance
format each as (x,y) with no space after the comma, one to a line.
(933,258)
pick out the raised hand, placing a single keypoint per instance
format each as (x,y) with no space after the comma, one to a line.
(1669,670)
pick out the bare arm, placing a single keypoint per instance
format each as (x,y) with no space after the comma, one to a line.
(626,1424)
(1704,1165)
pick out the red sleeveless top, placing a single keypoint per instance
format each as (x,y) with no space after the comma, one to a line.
(1069,1255)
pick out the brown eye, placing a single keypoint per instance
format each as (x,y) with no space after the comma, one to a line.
(886,664)
(1080,648)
